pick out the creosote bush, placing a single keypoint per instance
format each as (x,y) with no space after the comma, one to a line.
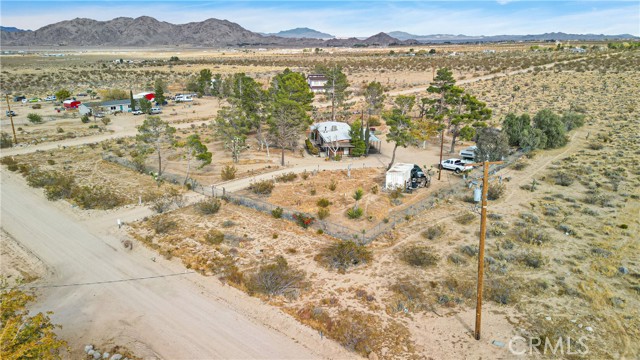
(419,255)
(228,172)
(408,297)
(277,212)
(288,177)
(208,206)
(466,218)
(323,202)
(277,278)
(214,237)
(344,254)
(323,213)
(531,235)
(263,187)
(433,232)
(162,224)
(495,190)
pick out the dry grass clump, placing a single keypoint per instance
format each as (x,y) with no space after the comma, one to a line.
(433,232)
(208,206)
(495,190)
(342,255)
(214,237)
(419,255)
(408,296)
(264,187)
(277,278)
(162,224)
(228,172)
(531,235)
(288,177)
(466,218)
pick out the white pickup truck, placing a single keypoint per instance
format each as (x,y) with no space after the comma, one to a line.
(456,165)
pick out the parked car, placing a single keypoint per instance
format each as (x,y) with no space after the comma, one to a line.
(156,110)
(11,113)
(19,98)
(99,115)
(456,165)
(81,94)
(137,112)
(32,100)
(50,98)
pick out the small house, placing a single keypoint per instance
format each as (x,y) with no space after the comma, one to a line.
(316,82)
(112,106)
(333,138)
(71,104)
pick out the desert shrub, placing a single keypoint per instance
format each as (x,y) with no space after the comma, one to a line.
(502,290)
(469,250)
(96,197)
(550,210)
(304,175)
(214,237)
(333,185)
(355,213)
(228,172)
(323,202)
(595,146)
(461,288)
(433,232)
(374,189)
(162,204)
(408,297)
(456,259)
(8,160)
(563,179)
(358,194)
(520,165)
(529,217)
(263,187)
(162,224)
(106,120)
(495,190)
(228,224)
(277,278)
(60,130)
(395,194)
(34,118)
(323,213)
(5,140)
(343,254)
(288,177)
(303,220)
(419,255)
(85,119)
(36,106)
(531,235)
(56,185)
(208,206)
(277,213)
(313,150)
(465,218)
(572,120)
(374,121)
(531,259)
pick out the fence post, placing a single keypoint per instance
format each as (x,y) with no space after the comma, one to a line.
(224,191)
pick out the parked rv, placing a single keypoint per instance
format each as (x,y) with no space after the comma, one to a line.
(468,155)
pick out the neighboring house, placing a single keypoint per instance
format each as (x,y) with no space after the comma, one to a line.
(332,137)
(316,82)
(578,50)
(116,105)
(71,104)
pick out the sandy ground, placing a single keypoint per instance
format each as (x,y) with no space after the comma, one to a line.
(171,313)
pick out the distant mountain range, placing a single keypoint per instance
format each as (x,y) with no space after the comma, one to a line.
(10,29)
(560,36)
(146,31)
(302,33)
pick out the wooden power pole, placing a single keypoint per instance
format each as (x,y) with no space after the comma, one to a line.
(15,140)
(483,231)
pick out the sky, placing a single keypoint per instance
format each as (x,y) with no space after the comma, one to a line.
(352,18)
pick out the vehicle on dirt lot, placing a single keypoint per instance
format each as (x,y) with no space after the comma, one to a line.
(137,112)
(11,113)
(156,110)
(419,178)
(456,165)
(50,98)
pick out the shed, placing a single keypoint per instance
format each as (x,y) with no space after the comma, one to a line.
(398,176)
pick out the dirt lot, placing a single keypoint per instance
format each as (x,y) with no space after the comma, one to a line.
(561,252)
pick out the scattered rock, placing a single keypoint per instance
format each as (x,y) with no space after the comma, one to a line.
(623,270)
(548,318)
(373,356)
(580,326)
(91,352)
(589,329)
(105,355)
(116,357)
(498,343)
(87,348)
(97,355)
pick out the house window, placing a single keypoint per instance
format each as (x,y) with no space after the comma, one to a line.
(346,151)
(334,128)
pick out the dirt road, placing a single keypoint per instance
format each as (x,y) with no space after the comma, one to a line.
(167,312)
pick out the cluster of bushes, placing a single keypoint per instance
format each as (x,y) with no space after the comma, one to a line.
(288,177)
(419,256)
(546,130)
(58,185)
(209,206)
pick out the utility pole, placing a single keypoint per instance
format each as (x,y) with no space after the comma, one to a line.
(15,140)
(483,230)
(441,145)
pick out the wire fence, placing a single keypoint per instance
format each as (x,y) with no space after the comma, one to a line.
(363,236)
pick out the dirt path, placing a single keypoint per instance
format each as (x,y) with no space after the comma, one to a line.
(167,313)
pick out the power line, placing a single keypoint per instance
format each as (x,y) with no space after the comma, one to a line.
(102,282)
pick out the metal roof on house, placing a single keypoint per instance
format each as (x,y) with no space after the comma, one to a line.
(116,102)
(337,131)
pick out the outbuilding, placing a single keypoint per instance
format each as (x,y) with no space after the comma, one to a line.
(399,176)
(71,104)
